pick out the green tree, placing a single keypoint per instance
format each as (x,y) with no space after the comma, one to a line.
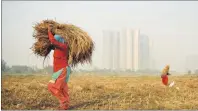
(4,66)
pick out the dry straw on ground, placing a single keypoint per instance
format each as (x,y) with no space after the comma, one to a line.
(102,92)
(80,43)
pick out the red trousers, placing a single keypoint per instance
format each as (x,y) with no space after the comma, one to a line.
(60,90)
(164,79)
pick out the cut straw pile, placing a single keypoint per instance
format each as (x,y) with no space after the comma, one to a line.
(79,42)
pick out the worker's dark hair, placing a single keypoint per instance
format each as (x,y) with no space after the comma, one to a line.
(53,33)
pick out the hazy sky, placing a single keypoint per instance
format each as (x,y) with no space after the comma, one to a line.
(171,25)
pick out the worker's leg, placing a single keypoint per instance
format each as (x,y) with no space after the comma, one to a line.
(58,90)
(64,98)
(61,95)
(53,90)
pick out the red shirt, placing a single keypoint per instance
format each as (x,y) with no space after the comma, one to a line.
(60,53)
(164,79)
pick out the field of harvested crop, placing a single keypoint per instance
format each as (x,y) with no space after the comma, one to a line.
(102,92)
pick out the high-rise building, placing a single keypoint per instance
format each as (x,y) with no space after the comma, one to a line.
(136,50)
(144,54)
(116,51)
(122,50)
(111,50)
(127,50)
(106,50)
(111,38)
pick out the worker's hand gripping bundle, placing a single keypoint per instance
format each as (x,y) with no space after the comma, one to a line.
(79,42)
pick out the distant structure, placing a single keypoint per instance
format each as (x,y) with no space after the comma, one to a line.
(111,50)
(144,52)
(136,50)
(126,50)
(106,49)
(128,34)
(123,50)
(116,51)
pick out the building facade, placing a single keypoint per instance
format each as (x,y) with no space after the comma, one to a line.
(126,50)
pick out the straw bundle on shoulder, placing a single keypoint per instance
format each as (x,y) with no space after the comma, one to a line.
(79,42)
(165,70)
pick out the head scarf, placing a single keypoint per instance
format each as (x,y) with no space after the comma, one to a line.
(59,38)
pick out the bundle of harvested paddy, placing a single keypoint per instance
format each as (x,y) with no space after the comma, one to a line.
(165,70)
(79,42)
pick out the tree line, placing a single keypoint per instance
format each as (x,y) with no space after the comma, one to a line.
(23,69)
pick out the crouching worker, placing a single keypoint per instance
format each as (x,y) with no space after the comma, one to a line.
(164,75)
(58,85)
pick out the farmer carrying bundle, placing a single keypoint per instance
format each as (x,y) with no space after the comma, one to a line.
(69,43)
(80,44)
(58,85)
(164,75)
